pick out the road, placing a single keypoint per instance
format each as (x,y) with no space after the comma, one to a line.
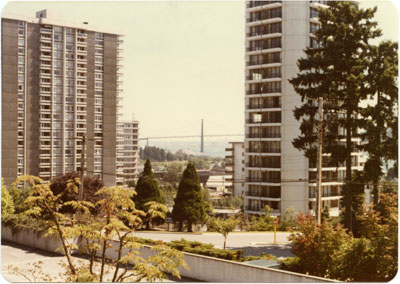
(253,243)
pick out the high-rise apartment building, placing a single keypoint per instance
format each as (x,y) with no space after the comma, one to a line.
(277,174)
(127,151)
(60,82)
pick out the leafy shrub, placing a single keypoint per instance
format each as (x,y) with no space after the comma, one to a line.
(206,249)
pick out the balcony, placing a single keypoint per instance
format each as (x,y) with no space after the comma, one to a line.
(266,180)
(263,135)
(274,166)
(264,193)
(263,106)
(271,120)
(262,92)
(252,4)
(263,151)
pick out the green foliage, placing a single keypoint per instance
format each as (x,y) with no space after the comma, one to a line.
(380,138)
(201,163)
(148,190)
(332,252)
(325,213)
(316,247)
(91,185)
(119,221)
(206,249)
(173,172)
(131,183)
(231,202)
(336,71)
(288,220)
(226,226)
(7,203)
(189,204)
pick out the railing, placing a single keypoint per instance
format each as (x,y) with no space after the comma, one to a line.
(258,106)
(275,194)
(252,4)
(258,48)
(260,92)
(263,150)
(263,165)
(263,180)
(271,120)
(263,135)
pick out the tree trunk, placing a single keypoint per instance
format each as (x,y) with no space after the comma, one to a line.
(180,226)
(189,229)
(225,243)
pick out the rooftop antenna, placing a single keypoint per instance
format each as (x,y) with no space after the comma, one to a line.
(202,138)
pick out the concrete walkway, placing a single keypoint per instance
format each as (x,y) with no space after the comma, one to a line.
(23,257)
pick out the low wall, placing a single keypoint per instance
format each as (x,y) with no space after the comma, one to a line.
(202,268)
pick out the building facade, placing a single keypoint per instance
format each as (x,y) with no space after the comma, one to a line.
(127,151)
(234,165)
(277,174)
(60,82)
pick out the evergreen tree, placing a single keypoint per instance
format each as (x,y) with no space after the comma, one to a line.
(335,70)
(147,190)
(380,124)
(189,204)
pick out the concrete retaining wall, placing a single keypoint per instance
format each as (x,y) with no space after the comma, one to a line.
(202,268)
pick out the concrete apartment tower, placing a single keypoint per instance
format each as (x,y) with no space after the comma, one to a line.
(127,151)
(277,174)
(235,167)
(59,82)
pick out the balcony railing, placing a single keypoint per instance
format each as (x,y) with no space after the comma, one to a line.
(267,105)
(263,135)
(271,120)
(263,165)
(263,150)
(252,4)
(267,194)
(267,180)
(260,92)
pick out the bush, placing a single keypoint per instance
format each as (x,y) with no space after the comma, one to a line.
(206,249)
(7,203)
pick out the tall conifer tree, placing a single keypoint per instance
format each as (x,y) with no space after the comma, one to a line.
(380,127)
(335,70)
(189,204)
(147,190)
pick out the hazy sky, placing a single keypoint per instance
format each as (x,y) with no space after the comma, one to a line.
(183,61)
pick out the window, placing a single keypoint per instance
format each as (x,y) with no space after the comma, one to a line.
(69,47)
(70,38)
(21,24)
(58,63)
(98,59)
(99,51)
(99,35)
(313,13)
(21,78)
(69,55)
(98,76)
(99,68)
(57,37)
(70,64)
(57,29)
(69,30)
(313,27)
(21,41)
(21,59)
(21,50)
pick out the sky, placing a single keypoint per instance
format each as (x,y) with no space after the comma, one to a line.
(183,60)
